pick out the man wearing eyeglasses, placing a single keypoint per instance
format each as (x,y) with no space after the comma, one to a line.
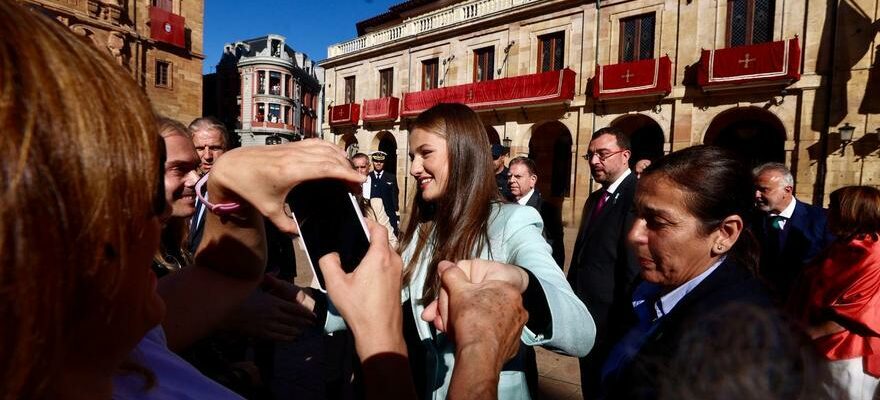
(603,270)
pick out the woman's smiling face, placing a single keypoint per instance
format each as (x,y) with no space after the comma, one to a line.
(430,163)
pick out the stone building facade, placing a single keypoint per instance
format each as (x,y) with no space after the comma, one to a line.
(267,92)
(776,80)
(169,71)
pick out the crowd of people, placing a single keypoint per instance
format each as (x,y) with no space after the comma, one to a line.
(145,259)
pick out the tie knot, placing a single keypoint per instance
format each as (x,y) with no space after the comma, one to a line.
(777,221)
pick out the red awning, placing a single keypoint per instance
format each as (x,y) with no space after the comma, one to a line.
(765,64)
(384,109)
(542,88)
(345,114)
(167,27)
(642,78)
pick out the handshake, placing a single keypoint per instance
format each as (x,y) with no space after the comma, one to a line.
(479,307)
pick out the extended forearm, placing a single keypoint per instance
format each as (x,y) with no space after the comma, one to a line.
(476,372)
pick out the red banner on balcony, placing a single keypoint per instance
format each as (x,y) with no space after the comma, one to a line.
(384,109)
(775,63)
(167,27)
(542,88)
(345,114)
(633,79)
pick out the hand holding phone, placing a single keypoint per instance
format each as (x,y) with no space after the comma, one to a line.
(329,220)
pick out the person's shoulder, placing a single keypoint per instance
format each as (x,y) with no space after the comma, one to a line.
(514,214)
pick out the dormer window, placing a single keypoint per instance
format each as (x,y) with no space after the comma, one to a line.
(276,47)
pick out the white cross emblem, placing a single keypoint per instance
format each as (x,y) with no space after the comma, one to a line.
(746,61)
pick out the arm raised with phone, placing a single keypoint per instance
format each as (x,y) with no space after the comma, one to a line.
(230,261)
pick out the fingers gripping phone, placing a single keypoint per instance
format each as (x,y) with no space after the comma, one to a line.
(329,220)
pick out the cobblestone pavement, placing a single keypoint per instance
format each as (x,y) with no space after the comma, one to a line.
(559,376)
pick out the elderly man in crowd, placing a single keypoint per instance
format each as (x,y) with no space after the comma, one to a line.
(522,180)
(790,231)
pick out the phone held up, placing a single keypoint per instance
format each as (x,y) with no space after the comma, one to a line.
(329,220)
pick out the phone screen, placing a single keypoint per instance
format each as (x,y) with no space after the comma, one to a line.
(329,220)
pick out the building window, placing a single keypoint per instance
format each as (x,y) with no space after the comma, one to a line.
(261,82)
(163,4)
(274,112)
(551,51)
(484,64)
(637,38)
(163,73)
(261,112)
(430,73)
(287,118)
(276,48)
(287,87)
(386,82)
(275,83)
(349,90)
(749,22)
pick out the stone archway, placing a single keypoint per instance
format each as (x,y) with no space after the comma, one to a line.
(550,147)
(646,136)
(754,133)
(350,144)
(388,144)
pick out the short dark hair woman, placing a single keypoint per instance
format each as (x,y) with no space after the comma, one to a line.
(696,256)
(838,297)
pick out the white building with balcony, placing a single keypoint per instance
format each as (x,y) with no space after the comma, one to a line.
(278,91)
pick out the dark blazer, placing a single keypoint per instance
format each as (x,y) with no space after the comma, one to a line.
(729,284)
(552,217)
(387,190)
(603,268)
(783,256)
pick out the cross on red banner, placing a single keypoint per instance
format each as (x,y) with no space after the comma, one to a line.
(167,27)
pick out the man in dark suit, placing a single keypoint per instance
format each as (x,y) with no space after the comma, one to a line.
(384,186)
(791,232)
(603,268)
(522,181)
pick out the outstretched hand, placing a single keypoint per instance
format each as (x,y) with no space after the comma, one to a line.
(475,271)
(263,175)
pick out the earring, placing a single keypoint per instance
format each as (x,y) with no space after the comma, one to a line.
(719,247)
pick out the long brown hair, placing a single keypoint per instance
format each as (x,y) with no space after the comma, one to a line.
(173,253)
(80,168)
(459,220)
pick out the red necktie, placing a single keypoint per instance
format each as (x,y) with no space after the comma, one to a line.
(599,206)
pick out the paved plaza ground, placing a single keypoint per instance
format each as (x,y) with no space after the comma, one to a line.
(559,377)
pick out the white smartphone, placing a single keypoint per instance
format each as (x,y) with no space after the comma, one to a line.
(329,220)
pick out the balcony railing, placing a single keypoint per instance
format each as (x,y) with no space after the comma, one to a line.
(553,87)
(345,114)
(384,109)
(764,64)
(463,12)
(651,77)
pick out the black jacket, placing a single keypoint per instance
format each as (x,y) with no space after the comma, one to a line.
(552,217)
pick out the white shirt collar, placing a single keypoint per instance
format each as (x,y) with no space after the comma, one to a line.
(617,182)
(525,199)
(366,186)
(789,209)
(670,300)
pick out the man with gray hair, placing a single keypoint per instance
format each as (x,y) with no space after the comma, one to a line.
(790,231)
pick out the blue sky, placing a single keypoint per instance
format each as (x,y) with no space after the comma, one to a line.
(309,25)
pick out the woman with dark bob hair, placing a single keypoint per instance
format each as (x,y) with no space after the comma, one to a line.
(457,216)
(696,256)
(838,297)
